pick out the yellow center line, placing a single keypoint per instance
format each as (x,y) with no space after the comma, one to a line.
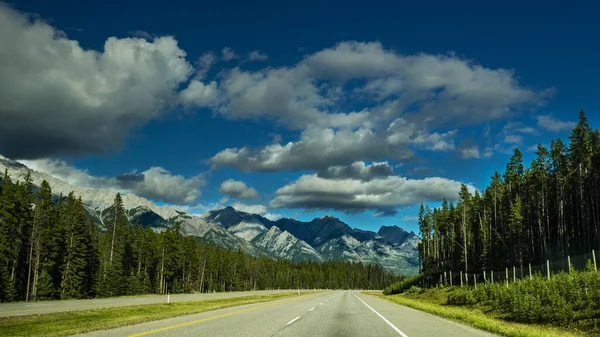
(217,316)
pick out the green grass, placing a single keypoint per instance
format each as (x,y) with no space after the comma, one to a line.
(432,301)
(75,322)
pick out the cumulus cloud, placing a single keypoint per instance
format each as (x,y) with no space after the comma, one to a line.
(317,149)
(358,170)
(156,183)
(256,55)
(427,91)
(320,148)
(257,209)
(227,54)
(439,88)
(553,124)
(60,99)
(237,189)
(385,196)
(199,94)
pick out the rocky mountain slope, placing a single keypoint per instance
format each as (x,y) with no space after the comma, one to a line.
(321,239)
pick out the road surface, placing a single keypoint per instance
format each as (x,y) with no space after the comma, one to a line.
(331,313)
(46,307)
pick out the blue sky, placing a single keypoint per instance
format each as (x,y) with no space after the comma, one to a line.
(382,106)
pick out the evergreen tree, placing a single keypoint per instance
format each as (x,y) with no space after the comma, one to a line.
(113,262)
(8,221)
(74,281)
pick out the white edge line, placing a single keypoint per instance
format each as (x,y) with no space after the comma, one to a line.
(292,321)
(313,308)
(383,318)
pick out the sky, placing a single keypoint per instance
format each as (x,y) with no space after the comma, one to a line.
(292,109)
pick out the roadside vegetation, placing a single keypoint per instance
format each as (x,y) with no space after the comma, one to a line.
(76,322)
(479,317)
(565,303)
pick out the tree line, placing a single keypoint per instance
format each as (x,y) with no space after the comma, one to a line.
(51,249)
(547,211)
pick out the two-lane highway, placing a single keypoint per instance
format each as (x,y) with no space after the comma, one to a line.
(332,313)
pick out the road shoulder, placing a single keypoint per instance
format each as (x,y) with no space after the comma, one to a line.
(475,319)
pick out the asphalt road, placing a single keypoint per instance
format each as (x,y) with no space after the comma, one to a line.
(46,307)
(331,313)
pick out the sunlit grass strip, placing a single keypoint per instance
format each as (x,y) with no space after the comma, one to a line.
(75,322)
(479,320)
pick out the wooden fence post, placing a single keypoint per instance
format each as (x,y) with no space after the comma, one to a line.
(492,277)
(451,278)
(475,280)
(569,262)
(461,281)
(548,268)
(514,274)
(507,277)
(594,257)
(530,276)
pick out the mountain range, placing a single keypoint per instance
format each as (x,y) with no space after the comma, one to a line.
(321,239)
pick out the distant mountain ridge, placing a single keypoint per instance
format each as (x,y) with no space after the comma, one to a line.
(321,239)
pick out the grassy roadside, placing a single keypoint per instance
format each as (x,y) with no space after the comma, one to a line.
(430,302)
(75,322)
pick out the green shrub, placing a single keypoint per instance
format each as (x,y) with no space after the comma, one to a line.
(461,296)
(562,300)
(415,290)
(404,285)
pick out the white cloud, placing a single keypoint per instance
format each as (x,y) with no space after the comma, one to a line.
(60,99)
(320,148)
(256,55)
(257,209)
(227,54)
(237,189)
(552,124)
(513,139)
(428,91)
(470,152)
(156,183)
(439,88)
(199,94)
(317,149)
(385,196)
(410,218)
